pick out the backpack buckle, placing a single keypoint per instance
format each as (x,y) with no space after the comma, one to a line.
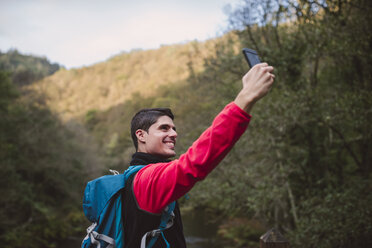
(155,233)
(91,228)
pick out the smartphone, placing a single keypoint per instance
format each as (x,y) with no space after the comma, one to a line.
(251,56)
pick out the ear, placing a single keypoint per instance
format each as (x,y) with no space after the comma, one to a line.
(141,135)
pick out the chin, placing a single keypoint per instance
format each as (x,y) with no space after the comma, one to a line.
(169,154)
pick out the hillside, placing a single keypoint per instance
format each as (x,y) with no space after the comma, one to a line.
(26,69)
(72,93)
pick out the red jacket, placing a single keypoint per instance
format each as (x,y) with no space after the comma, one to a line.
(157,185)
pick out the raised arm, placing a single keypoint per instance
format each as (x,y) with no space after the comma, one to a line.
(156,185)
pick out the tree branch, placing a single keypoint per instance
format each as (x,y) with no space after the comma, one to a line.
(346,145)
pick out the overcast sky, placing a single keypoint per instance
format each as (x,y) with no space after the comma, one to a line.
(75,33)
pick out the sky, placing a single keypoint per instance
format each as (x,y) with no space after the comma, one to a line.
(76,33)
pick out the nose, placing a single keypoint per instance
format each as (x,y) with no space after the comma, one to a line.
(173,133)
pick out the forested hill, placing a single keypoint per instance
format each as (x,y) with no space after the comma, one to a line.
(26,69)
(72,93)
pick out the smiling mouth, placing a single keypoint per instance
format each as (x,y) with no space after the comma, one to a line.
(170,144)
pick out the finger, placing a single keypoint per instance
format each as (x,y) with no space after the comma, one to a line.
(269,82)
(268,68)
(269,77)
(272,79)
(260,65)
(263,64)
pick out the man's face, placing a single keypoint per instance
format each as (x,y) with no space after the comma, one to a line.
(160,140)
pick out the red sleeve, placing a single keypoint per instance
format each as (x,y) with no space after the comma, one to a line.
(156,185)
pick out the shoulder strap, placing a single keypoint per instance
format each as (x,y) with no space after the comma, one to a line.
(167,216)
(132,169)
(166,222)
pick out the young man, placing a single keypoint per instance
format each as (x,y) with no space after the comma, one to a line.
(162,181)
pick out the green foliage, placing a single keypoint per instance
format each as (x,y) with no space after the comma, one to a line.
(305,162)
(41,177)
(340,217)
(26,69)
(91,118)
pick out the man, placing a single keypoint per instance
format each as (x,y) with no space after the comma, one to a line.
(162,181)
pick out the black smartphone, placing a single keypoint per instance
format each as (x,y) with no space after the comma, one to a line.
(251,56)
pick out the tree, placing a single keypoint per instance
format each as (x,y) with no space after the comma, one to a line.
(42,173)
(306,151)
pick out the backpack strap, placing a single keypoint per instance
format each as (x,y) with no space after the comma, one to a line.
(166,222)
(132,169)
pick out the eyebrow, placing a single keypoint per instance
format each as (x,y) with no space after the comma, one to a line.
(167,126)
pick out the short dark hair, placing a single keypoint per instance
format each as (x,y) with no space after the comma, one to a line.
(144,120)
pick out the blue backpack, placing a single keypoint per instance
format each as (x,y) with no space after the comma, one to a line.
(102,205)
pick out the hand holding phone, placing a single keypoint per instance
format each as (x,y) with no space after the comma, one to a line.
(251,56)
(256,84)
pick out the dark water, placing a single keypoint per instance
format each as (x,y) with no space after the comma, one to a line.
(200,230)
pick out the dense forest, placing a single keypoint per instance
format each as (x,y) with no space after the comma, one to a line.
(304,165)
(26,69)
(43,164)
